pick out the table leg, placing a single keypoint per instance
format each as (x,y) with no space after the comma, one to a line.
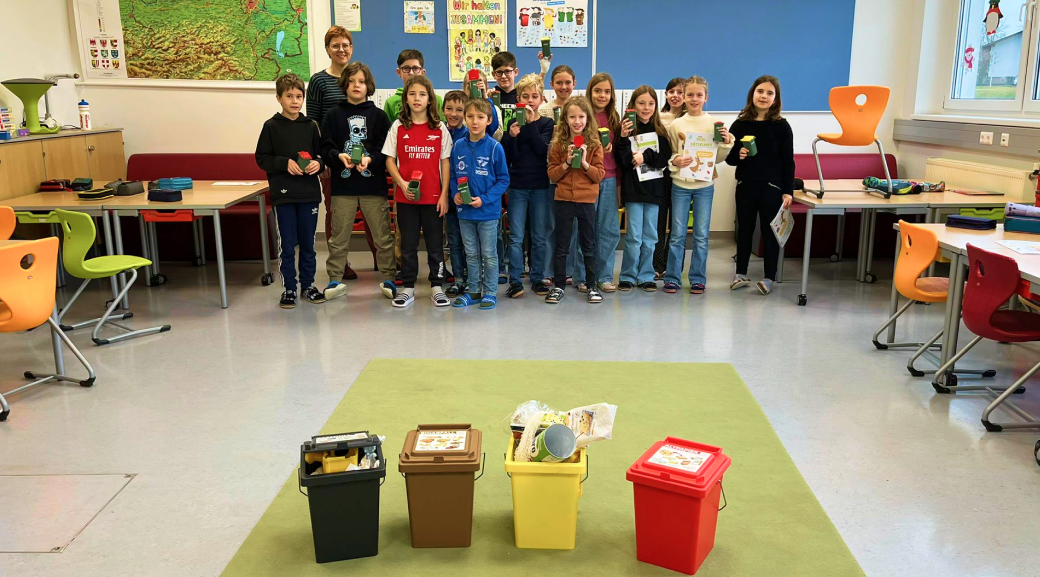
(861,252)
(268,277)
(59,359)
(56,231)
(153,246)
(220,259)
(930,215)
(804,296)
(106,221)
(868,263)
(894,300)
(957,299)
(144,250)
(839,249)
(118,229)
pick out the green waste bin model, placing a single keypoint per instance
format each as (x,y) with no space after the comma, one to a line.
(437,463)
(344,503)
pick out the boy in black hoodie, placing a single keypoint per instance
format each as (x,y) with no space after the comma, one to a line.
(287,140)
(357,122)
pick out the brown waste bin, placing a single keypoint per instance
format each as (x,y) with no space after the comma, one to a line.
(438,462)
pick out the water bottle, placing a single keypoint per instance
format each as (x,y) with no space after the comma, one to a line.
(84,115)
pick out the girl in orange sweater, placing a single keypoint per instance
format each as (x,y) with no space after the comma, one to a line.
(577,190)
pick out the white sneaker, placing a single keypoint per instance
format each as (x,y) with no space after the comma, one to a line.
(765,286)
(335,289)
(404,298)
(439,298)
(739,281)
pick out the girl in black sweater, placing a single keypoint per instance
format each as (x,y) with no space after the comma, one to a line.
(764,181)
(642,198)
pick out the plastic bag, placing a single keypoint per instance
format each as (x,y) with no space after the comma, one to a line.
(591,423)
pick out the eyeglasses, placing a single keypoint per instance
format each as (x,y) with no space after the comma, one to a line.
(503,72)
(341,47)
(411,69)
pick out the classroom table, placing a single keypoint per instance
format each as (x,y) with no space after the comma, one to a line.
(207,199)
(59,359)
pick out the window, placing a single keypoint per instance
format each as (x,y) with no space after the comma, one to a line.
(995,42)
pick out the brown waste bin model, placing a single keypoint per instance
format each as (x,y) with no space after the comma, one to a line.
(438,462)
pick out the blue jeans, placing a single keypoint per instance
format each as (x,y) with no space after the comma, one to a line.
(297,222)
(538,205)
(457,253)
(637,264)
(481,255)
(500,243)
(682,199)
(608,230)
(575,263)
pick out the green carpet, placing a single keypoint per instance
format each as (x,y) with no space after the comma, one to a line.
(772,526)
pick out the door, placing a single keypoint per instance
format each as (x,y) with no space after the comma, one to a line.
(21,169)
(66,157)
(105,154)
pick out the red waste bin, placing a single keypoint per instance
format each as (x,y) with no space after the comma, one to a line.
(677,484)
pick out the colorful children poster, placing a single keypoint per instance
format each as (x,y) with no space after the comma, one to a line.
(702,147)
(101,35)
(643,142)
(347,13)
(565,22)
(418,18)
(476,32)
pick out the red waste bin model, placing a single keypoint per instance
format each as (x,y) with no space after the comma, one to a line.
(677,484)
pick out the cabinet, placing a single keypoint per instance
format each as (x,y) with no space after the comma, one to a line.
(27,162)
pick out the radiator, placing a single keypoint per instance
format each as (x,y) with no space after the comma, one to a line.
(1013,183)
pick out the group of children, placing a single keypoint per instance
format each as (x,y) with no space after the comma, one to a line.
(566,166)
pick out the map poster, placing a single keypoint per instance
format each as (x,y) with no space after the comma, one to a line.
(250,40)
(418,18)
(565,22)
(476,32)
(101,35)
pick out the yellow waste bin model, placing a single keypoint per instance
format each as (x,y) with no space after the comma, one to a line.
(545,500)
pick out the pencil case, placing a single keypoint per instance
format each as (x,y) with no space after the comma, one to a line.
(175,183)
(164,195)
(96,194)
(80,184)
(972,222)
(123,188)
(55,185)
(1019,224)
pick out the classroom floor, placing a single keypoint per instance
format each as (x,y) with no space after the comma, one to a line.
(210,416)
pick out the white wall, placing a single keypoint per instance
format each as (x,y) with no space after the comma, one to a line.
(207,120)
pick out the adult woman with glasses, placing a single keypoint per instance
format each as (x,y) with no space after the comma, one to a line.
(323,93)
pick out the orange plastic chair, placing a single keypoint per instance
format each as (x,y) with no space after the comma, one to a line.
(919,249)
(7,222)
(28,272)
(858,122)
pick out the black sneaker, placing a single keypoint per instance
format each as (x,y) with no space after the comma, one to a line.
(515,291)
(313,295)
(594,296)
(555,295)
(288,300)
(454,290)
(541,288)
(625,286)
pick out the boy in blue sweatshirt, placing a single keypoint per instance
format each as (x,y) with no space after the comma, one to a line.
(455,118)
(481,161)
(530,201)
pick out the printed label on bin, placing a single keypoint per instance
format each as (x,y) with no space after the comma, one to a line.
(340,438)
(441,441)
(683,458)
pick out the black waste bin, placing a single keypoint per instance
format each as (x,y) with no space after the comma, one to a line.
(344,505)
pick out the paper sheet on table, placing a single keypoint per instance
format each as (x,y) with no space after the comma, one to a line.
(782,225)
(1021,246)
(250,183)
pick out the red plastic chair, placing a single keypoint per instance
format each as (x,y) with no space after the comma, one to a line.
(992,280)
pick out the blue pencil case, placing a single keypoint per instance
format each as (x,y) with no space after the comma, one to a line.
(175,183)
(1022,224)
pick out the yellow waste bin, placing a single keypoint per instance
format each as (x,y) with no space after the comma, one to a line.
(545,500)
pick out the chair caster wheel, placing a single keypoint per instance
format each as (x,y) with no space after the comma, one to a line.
(267,279)
(159,279)
(834,257)
(991,427)
(802,299)
(3,415)
(989,373)
(29,375)
(870,277)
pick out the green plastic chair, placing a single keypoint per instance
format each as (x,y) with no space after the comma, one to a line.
(80,234)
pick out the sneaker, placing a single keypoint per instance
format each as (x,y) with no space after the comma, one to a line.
(671,287)
(541,288)
(464,300)
(765,286)
(739,281)
(555,295)
(488,302)
(335,289)
(570,280)
(625,286)
(288,300)
(697,288)
(583,288)
(607,287)
(595,296)
(516,290)
(389,289)
(439,298)
(503,279)
(454,289)
(403,298)
(650,287)
(659,275)
(313,295)
(348,273)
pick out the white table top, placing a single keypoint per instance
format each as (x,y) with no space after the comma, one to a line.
(203,196)
(956,240)
(866,200)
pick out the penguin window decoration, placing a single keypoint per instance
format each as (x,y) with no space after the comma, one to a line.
(993,17)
